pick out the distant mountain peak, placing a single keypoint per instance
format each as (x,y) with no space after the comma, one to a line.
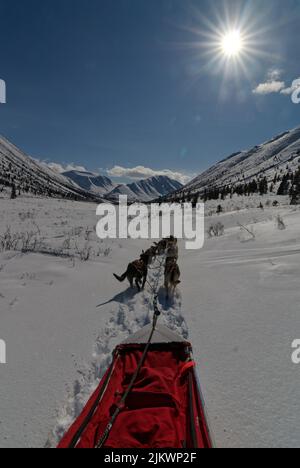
(30,176)
(147,189)
(143,190)
(90,181)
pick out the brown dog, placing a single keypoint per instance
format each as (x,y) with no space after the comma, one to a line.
(172,276)
(163,245)
(172,249)
(137,271)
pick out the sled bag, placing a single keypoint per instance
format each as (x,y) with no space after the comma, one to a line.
(163,410)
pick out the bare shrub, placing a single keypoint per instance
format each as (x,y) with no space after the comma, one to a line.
(280,223)
(26,215)
(216,230)
(76,232)
(67,243)
(28,241)
(106,252)
(37,228)
(87,234)
(84,253)
(8,241)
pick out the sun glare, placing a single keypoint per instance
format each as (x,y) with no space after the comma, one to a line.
(232,44)
(228,42)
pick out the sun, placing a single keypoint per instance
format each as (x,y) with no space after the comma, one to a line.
(228,43)
(232,44)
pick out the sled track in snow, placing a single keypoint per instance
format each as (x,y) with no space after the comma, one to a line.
(131,315)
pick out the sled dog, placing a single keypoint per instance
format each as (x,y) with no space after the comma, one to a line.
(172,276)
(138,271)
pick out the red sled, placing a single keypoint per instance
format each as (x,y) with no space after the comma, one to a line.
(164,408)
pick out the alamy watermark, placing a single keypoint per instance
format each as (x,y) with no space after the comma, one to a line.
(296,91)
(2,352)
(155,221)
(296,352)
(2,92)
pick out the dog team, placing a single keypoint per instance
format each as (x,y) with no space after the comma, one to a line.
(137,271)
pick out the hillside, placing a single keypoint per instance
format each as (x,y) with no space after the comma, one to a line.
(271,160)
(28,176)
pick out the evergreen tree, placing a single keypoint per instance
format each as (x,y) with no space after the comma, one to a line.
(13,192)
(295,190)
(284,186)
(263,186)
(195,200)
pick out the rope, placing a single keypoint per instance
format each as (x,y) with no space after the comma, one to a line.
(122,403)
(154,288)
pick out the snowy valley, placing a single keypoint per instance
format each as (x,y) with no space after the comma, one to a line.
(24,175)
(62,313)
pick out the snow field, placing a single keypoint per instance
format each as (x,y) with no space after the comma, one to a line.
(238,303)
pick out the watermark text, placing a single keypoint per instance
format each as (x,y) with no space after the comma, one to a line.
(296,352)
(296,91)
(2,92)
(2,352)
(155,221)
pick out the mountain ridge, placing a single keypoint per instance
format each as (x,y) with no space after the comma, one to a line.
(147,189)
(90,181)
(29,176)
(23,175)
(279,154)
(144,190)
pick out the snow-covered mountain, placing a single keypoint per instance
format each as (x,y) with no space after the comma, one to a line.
(142,191)
(147,190)
(29,176)
(91,182)
(278,155)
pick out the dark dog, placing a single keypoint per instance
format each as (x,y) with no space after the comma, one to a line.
(151,254)
(161,246)
(137,271)
(165,244)
(172,249)
(172,276)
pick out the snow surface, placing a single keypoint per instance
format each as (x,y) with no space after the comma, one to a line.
(61,318)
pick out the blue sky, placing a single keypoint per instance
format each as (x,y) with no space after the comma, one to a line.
(116,84)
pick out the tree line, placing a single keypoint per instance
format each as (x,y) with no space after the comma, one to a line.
(281,184)
(19,180)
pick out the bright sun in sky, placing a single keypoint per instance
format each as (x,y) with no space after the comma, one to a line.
(232,43)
